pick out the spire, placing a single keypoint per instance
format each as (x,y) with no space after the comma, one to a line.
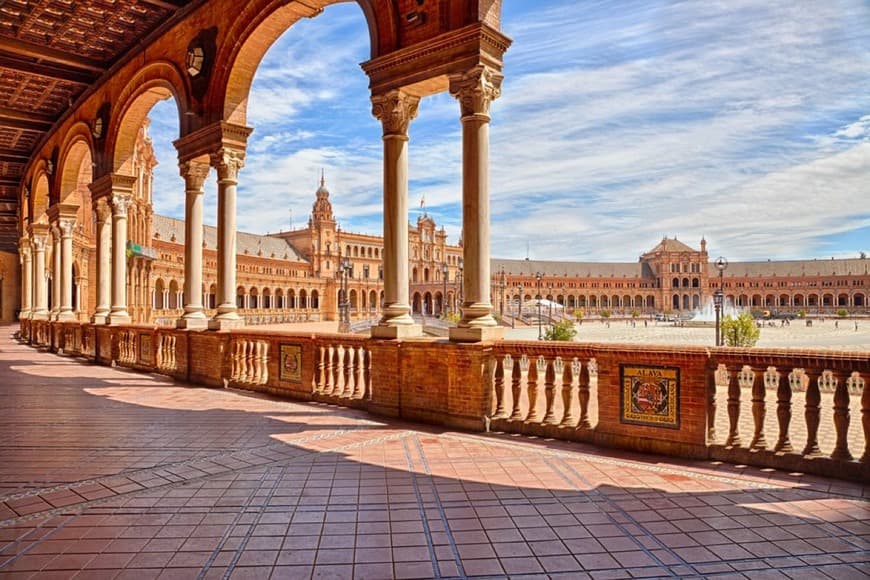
(322,177)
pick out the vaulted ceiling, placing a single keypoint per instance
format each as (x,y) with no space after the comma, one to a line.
(51,52)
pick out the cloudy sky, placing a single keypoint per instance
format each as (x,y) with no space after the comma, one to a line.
(747,122)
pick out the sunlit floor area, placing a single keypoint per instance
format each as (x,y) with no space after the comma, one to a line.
(108,473)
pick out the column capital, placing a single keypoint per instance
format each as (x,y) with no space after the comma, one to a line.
(194,174)
(228,162)
(110,184)
(24,247)
(104,212)
(38,242)
(475,89)
(120,204)
(66,226)
(395,110)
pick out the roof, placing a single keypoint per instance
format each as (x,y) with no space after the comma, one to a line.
(832,267)
(252,244)
(671,245)
(569,269)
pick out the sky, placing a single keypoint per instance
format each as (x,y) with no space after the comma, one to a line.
(620,122)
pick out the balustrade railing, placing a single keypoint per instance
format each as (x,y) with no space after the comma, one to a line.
(249,361)
(167,360)
(127,347)
(342,369)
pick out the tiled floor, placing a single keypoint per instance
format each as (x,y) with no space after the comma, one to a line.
(109,473)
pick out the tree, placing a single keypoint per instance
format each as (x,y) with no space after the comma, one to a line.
(561,331)
(842,312)
(635,313)
(605,313)
(740,331)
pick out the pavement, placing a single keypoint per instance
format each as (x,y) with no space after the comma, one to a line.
(107,473)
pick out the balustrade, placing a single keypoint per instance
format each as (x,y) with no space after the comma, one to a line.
(342,370)
(166,357)
(249,361)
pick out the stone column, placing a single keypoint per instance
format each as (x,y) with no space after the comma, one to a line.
(119,314)
(194,175)
(228,162)
(395,110)
(40,296)
(24,249)
(475,90)
(56,268)
(104,260)
(66,225)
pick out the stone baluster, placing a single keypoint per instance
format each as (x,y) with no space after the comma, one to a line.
(554,373)
(349,363)
(337,367)
(161,363)
(749,379)
(367,395)
(783,409)
(234,361)
(568,379)
(711,406)
(520,365)
(258,348)
(320,370)
(583,392)
(330,376)
(498,384)
(264,362)
(842,416)
(532,388)
(360,382)
(812,415)
(733,439)
(856,385)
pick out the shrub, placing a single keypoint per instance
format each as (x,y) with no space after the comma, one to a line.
(451,317)
(605,313)
(635,313)
(801,313)
(561,331)
(740,331)
(578,313)
(842,312)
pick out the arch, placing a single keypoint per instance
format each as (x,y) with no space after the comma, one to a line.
(756,300)
(267,299)
(685,302)
(783,300)
(425,274)
(696,283)
(798,300)
(593,301)
(696,302)
(39,198)
(685,282)
(373,300)
(827,300)
(650,302)
(813,300)
(581,302)
(352,299)
(303,299)
(604,301)
(859,300)
(675,283)
(259,24)
(240,297)
(315,300)
(291,298)
(159,301)
(676,302)
(427,302)
(279,298)
(414,274)
(842,300)
(173,295)
(416,304)
(75,166)
(156,81)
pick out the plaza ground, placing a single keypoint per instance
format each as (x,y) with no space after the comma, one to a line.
(108,473)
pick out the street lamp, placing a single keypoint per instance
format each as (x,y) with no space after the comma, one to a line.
(461,283)
(501,286)
(550,300)
(344,304)
(444,279)
(718,296)
(540,330)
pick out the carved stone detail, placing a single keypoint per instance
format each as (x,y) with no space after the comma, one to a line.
(395,110)
(194,174)
(476,89)
(228,162)
(66,227)
(120,205)
(104,212)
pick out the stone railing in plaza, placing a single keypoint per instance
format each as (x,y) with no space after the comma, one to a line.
(805,411)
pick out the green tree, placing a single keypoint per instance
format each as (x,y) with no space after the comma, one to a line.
(605,313)
(561,331)
(842,313)
(801,313)
(740,331)
(635,313)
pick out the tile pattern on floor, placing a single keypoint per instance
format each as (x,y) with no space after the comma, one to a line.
(108,473)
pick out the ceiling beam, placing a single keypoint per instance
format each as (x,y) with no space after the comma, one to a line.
(167,4)
(14,158)
(20,48)
(27,121)
(9,182)
(47,70)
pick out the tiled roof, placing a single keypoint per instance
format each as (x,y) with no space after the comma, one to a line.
(245,242)
(572,269)
(671,245)
(832,267)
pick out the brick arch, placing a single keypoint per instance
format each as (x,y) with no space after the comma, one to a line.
(40,195)
(77,148)
(258,26)
(155,82)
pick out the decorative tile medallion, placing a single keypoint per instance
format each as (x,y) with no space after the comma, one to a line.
(649,396)
(291,363)
(145,354)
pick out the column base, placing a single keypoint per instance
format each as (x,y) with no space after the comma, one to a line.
(225,323)
(390,332)
(39,315)
(476,334)
(100,318)
(192,323)
(66,316)
(116,318)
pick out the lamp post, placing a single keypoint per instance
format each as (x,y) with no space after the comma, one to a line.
(501,286)
(461,283)
(719,296)
(344,304)
(550,301)
(540,330)
(444,279)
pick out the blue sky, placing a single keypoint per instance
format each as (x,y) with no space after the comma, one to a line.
(747,122)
